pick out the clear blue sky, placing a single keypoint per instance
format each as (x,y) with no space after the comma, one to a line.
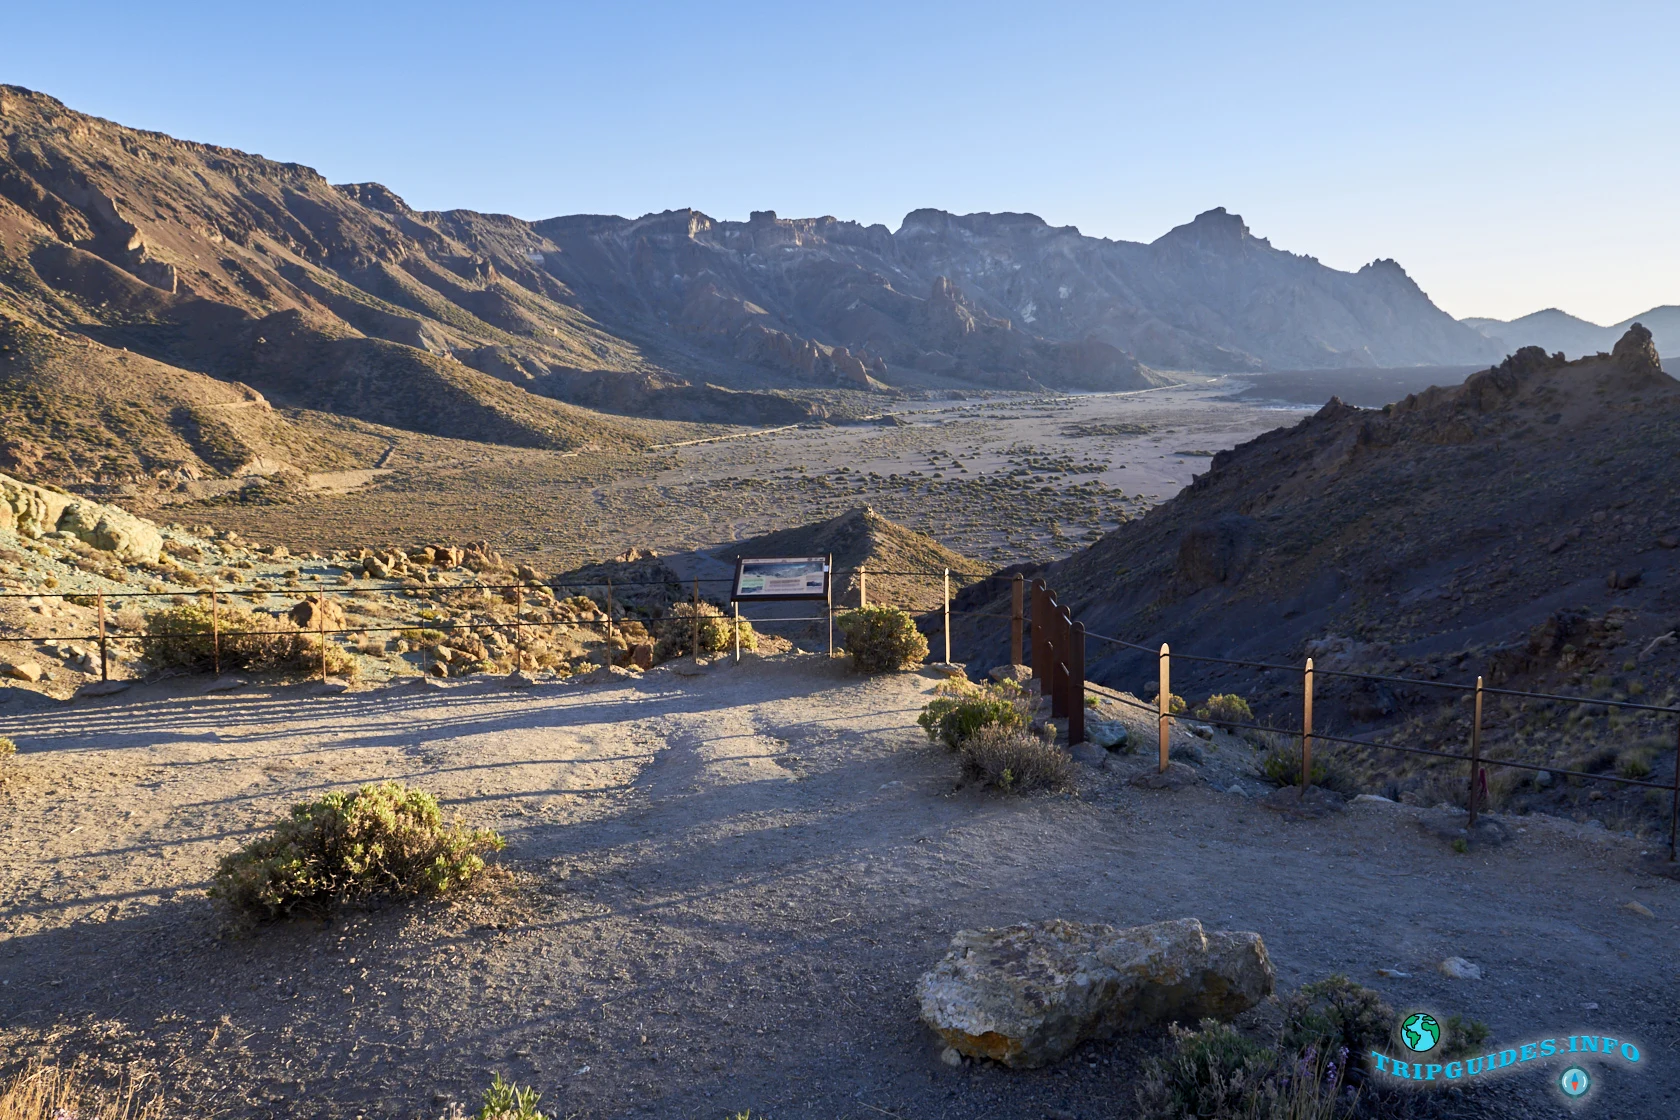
(1511,156)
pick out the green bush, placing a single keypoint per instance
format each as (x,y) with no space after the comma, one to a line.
(1014,760)
(1175,703)
(1335,1014)
(383,840)
(1217,1073)
(882,639)
(506,1101)
(1214,1072)
(1282,765)
(1225,707)
(185,636)
(952,719)
(1461,1036)
(717,632)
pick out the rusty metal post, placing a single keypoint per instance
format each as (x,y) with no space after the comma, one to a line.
(1040,671)
(696,620)
(1016,607)
(1306,726)
(1164,702)
(947,616)
(1475,756)
(104,657)
(1674,806)
(321,628)
(737,631)
(863,587)
(1076,684)
(1050,685)
(828,602)
(215,630)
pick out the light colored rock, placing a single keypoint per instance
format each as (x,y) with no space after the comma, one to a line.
(306,615)
(951,1057)
(224,684)
(102,688)
(21,671)
(30,511)
(1089,753)
(1020,674)
(1637,908)
(1027,995)
(519,679)
(112,530)
(1106,733)
(1459,969)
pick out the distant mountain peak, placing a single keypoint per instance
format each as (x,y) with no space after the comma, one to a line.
(1213,229)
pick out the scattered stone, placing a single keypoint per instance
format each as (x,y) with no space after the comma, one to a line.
(1315,804)
(947,669)
(1027,995)
(1393,974)
(224,684)
(1108,734)
(641,655)
(952,1057)
(606,674)
(307,614)
(1089,753)
(1638,908)
(331,687)
(519,678)
(1460,969)
(1489,833)
(1188,753)
(102,688)
(1374,797)
(1622,581)
(1020,674)
(21,671)
(1176,776)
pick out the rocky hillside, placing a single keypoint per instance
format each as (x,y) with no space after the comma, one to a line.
(1523,526)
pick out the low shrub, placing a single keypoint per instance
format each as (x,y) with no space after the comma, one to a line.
(7,749)
(1461,1036)
(506,1101)
(1225,707)
(1213,1072)
(185,636)
(383,840)
(882,639)
(1217,1073)
(1175,703)
(950,719)
(1336,1014)
(1014,760)
(717,632)
(1282,765)
(1634,762)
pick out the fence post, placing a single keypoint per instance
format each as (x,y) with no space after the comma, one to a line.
(737,631)
(863,587)
(321,627)
(1040,666)
(609,620)
(1016,654)
(696,620)
(1164,701)
(1306,727)
(215,631)
(104,660)
(947,616)
(1674,805)
(1076,684)
(1475,756)
(828,604)
(1054,666)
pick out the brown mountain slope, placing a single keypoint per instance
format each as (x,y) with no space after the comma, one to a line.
(252,272)
(1447,526)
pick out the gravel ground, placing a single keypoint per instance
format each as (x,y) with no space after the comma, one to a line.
(720,890)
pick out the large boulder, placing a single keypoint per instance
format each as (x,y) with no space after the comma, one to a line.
(30,511)
(112,530)
(1027,995)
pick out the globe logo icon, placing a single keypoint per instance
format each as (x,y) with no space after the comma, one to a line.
(1420,1032)
(1574,1081)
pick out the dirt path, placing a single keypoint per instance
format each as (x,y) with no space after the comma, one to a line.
(726,887)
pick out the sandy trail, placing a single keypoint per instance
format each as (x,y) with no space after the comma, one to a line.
(726,887)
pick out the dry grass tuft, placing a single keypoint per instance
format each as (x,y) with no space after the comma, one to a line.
(1014,760)
(50,1093)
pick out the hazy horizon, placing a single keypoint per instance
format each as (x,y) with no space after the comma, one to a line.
(1464,141)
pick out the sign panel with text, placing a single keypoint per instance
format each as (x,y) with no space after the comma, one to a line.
(778,578)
